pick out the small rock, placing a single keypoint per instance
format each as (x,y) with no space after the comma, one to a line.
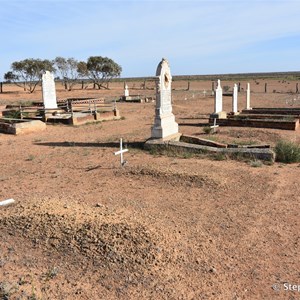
(99,205)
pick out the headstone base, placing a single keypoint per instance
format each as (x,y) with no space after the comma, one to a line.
(164,127)
(219,115)
(235,113)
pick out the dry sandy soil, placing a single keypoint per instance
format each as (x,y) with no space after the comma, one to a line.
(161,227)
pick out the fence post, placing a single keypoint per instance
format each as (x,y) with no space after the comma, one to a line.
(21,114)
(90,109)
(297,88)
(72,114)
(266,87)
(1,87)
(82,84)
(239,87)
(188,87)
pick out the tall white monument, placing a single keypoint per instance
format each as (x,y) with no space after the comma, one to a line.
(164,123)
(235,99)
(248,97)
(49,92)
(218,98)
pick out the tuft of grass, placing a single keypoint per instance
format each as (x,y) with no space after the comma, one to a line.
(207,129)
(51,273)
(256,163)
(219,156)
(13,114)
(30,158)
(287,152)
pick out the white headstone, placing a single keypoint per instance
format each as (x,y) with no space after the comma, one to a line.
(164,122)
(248,96)
(218,98)
(48,89)
(126,91)
(235,99)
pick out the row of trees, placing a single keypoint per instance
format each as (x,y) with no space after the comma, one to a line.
(27,73)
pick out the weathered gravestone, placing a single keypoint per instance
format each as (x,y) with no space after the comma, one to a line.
(218,107)
(248,97)
(48,90)
(164,123)
(218,98)
(126,91)
(235,99)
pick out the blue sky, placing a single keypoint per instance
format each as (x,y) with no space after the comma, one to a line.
(197,37)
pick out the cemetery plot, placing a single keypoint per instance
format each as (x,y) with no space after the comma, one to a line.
(162,226)
(70,111)
(17,126)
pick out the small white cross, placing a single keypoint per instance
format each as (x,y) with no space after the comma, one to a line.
(123,162)
(215,125)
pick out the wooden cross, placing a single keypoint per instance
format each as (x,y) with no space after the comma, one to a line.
(215,125)
(121,151)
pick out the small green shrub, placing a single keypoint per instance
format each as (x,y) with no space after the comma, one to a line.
(287,152)
(226,88)
(207,129)
(256,163)
(30,157)
(219,156)
(13,114)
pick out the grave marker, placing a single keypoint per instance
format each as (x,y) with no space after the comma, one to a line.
(120,152)
(218,98)
(235,99)
(248,96)
(213,127)
(126,91)
(164,122)
(48,90)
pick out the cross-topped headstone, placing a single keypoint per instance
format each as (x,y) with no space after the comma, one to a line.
(120,152)
(164,122)
(48,89)
(218,98)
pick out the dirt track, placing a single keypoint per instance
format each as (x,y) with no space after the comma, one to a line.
(160,228)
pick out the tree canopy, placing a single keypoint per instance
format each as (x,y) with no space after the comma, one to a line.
(67,68)
(100,70)
(27,72)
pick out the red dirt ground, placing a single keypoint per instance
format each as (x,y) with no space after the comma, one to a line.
(160,227)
